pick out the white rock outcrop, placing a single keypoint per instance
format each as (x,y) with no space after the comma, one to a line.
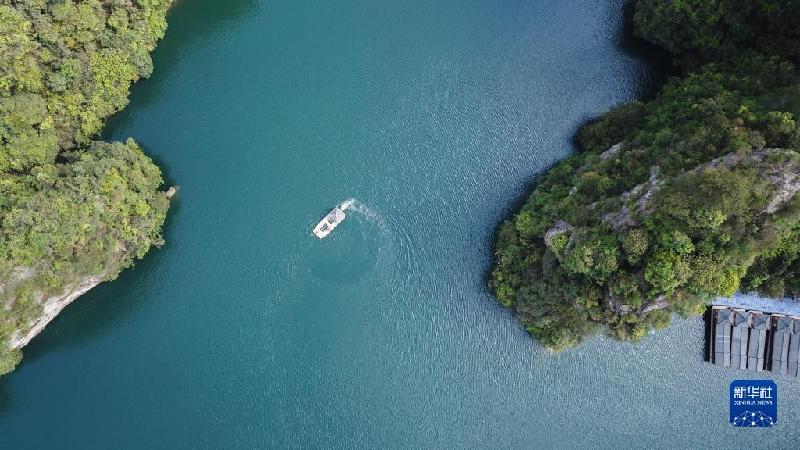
(51,307)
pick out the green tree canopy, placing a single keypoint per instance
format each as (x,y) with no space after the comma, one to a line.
(671,202)
(70,207)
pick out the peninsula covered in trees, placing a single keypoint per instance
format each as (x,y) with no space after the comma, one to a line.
(672,202)
(71,208)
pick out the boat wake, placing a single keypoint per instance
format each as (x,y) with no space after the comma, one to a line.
(371,215)
(355,252)
(370,244)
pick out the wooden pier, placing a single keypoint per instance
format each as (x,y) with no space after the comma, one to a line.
(753,340)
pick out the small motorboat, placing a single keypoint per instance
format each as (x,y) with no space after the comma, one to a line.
(326,225)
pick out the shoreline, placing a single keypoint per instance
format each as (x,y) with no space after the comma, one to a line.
(79,209)
(52,306)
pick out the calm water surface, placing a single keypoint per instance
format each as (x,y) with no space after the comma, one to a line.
(244,331)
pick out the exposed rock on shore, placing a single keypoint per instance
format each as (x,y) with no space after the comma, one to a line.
(51,307)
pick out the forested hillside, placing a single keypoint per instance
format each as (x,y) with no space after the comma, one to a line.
(671,202)
(70,207)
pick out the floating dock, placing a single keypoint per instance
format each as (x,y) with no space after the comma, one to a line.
(756,340)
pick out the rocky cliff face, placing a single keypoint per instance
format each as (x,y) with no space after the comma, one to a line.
(785,178)
(27,307)
(51,306)
(779,168)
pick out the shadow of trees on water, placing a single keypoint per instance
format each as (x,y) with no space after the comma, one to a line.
(190,22)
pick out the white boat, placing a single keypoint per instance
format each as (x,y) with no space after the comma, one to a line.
(326,225)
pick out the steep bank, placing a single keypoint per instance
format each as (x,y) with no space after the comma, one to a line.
(646,220)
(73,211)
(51,306)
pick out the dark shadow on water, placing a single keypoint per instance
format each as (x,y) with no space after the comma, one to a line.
(108,302)
(93,313)
(659,69)
(165,168)
(658,60)
(190,22)
(97,310)
(5,397)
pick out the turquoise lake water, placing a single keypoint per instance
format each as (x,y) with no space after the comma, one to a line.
(244,331)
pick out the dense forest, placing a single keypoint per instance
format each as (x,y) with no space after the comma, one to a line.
(70,207)
(671,202)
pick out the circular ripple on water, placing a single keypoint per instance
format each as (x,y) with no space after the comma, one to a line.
(366,245)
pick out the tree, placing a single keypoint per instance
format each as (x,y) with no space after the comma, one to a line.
(694,202)
(70,208)
(635,245)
